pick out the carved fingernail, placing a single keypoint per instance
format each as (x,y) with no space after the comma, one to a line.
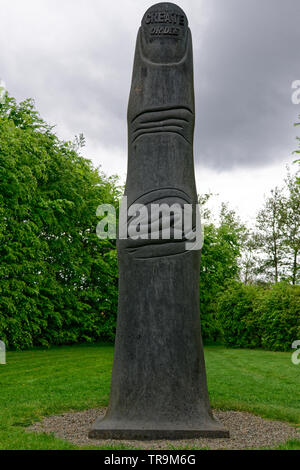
(164,33)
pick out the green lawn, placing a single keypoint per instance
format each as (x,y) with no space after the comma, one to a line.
(40,382)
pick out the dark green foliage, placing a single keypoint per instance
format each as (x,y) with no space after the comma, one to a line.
(259,316)
(279,312)
(236,315)
(58,281)
(219,264)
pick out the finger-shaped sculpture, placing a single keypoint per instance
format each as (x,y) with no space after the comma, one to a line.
(159,387)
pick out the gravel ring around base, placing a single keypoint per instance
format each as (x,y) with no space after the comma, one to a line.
(246,432)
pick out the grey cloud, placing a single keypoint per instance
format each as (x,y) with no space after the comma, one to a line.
(244,72)
(75,58)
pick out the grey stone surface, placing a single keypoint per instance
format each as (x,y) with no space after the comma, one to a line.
(159,388)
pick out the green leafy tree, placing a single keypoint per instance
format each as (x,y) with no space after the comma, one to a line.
(291,228)
(58,281)
(269,236)
(219,264)
(276,240)
(249,261)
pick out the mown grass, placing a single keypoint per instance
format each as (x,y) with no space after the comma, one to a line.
(41,382)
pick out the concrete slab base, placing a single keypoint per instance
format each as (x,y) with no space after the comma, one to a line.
(102,429)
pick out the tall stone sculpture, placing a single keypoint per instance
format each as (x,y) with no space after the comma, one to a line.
(158,387)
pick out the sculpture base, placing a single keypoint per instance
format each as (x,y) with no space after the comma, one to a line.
(103,429)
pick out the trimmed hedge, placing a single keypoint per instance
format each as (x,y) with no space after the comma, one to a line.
(259,317)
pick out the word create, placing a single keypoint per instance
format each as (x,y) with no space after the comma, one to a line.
(164,17)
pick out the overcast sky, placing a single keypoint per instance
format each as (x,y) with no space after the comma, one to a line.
(75,57)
